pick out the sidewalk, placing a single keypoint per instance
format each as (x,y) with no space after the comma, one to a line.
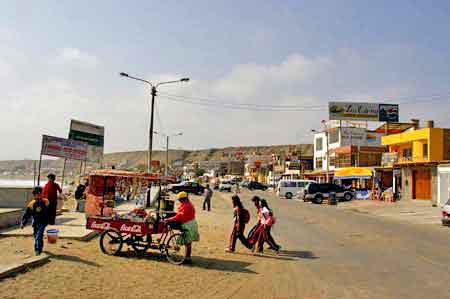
(412,211)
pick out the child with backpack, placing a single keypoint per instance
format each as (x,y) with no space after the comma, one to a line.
(267,220)
(241,218)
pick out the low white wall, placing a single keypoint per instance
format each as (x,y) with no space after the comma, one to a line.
(14,197)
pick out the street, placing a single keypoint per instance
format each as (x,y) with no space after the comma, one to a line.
(327,253)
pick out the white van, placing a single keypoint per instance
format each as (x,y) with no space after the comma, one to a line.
(289,188)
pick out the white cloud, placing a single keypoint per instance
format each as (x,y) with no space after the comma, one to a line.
(76,57)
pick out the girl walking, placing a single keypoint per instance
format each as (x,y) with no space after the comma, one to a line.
(240,217)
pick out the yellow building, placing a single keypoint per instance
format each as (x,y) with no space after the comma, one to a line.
(419,151)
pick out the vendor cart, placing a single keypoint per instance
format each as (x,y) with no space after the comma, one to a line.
(142,231)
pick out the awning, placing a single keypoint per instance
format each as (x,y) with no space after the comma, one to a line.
(353,173)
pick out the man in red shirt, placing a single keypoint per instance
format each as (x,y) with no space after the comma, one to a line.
(185,213)
(51,190)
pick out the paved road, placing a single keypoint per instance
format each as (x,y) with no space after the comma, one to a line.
(327,253)
(360,256)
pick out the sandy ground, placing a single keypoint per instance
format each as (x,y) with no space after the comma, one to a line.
(79,268)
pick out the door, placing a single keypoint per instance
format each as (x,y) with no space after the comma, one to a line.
(422,184)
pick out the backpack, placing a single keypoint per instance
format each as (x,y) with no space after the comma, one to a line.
(245,216)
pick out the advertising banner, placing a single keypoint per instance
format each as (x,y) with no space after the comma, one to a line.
(92,134)
(363,111)
(64,148)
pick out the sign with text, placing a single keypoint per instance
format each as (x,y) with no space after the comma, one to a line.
(389,159)
(363,111)
(64,148)
(92,134)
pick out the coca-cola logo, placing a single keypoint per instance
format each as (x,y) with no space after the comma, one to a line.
(131,228)
(102,225)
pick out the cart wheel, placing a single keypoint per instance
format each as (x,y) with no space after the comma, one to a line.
(111,242)
(175,253)
(140,244)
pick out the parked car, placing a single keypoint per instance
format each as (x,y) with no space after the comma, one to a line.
(187,186)
(446,214)
(290,188)
(225,186)
(316,192)
(244,184)
(256,186)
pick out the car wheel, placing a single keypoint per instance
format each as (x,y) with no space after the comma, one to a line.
(288,195)
(318,199)
(348,196)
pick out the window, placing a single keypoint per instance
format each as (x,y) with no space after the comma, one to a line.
(318,162)
(425,150)
(288,184)
(319,144)
(332,160)
(301,184)
(407,154)
(333,137)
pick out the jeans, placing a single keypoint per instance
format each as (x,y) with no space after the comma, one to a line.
(38,235)
(207,203)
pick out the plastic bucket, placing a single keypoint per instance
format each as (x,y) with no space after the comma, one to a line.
(52,236)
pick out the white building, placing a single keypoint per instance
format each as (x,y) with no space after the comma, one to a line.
(340,137)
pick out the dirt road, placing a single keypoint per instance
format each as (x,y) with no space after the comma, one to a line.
(327,253)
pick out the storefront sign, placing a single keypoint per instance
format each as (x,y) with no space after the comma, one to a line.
(92,134)
(363,111)
(64,148)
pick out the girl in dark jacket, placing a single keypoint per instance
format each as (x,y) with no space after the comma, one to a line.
(238,225)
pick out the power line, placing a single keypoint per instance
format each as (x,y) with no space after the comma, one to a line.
(207,100)
(238,107)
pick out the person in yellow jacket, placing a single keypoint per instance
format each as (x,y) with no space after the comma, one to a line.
(38,209)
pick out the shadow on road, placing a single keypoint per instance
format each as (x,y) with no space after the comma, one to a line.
(197,262)
(71,258)
(61,220)
(298,254)
(284,255)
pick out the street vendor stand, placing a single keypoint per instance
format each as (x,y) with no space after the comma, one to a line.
(137,227)
(362,176)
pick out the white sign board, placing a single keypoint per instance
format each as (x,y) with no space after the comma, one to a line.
(64,148)
(363,111)
(92,134)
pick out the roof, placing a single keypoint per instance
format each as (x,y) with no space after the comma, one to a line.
(131,174)
(394,128)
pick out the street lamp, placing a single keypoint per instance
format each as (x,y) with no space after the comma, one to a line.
(153,91)
(327,150)
(167,149)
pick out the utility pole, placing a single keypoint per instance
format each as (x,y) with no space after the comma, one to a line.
(328,151)
(167,156)
(150,134)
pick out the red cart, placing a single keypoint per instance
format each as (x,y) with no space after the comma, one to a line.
(137,234)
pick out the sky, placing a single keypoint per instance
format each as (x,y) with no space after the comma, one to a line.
(60,60)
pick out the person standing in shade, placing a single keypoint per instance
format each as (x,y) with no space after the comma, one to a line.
(208,196)
(37,209)
(51,190)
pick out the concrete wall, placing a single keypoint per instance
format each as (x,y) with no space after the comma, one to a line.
(434,186)
(10,217)
(14,197)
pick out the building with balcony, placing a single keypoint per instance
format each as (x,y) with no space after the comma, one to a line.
(416,153)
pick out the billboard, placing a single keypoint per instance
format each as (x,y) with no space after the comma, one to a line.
(363,111)
(92,134)
(64,148)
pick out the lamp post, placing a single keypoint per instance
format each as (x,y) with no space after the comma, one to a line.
(153,92)
(166,172)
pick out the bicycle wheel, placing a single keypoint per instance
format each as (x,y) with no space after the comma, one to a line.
(175,253)
(140,244)
(111,242)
